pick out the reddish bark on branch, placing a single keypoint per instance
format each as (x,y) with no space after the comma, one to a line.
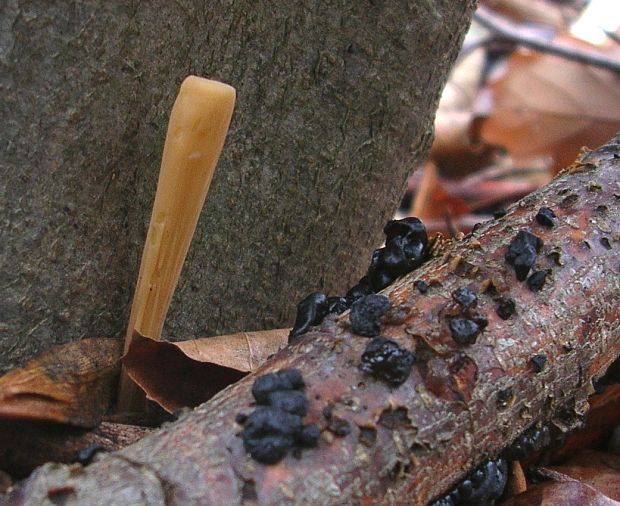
(460,405)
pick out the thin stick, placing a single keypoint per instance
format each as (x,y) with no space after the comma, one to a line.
(196,132)
(507,30)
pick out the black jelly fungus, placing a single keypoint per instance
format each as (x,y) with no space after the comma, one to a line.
(386,360)
(240,418)
(476,227)
(363,288)
(310,311)
(286,379)
(537,280)
(465,297)
(524,262)
(500,213)
(522,253)
(410,227)
(275,426)
(86,455)
(482,487)
(421,285)
(291,401)
(416,254)
(269,449)
(506,307)
(377,275)
(366,313)
(489,487)
(538,362)
(337,305)
(266,420)
(328,411)
(545,217)
(339,426)
(309,436)
(530,441)
(464,331)
(394,259)
(405,249)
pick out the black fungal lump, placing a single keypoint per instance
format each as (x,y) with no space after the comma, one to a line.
(465,298)
(421,285)
(366,313)
(506,307)
(291,401)
(530,441)
(386,360)
(538,362)
(286,379)
(482,487)
(269,433)
(310,311)
(464,331)
(522,253)
(276,426)
(537,280)
(337,305)
(363,288)
(546,217)
(411,228)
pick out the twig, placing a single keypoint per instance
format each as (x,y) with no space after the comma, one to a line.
(510,31)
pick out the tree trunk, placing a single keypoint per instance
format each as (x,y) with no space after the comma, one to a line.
(461,403)
(335,106)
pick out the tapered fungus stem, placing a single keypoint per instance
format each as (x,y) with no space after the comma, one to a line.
(196,132)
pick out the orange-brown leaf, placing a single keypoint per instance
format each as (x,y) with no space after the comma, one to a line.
(596,469)
(544,105)
(186,374)
(71,384)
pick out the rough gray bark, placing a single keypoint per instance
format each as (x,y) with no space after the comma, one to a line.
(335,106)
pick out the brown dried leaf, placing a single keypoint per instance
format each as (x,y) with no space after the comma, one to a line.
(571,493)
(70,384)
(544,105)
(596,469)
(186,374)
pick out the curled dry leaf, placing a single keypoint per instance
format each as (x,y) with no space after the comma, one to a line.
(599,470)
(71,384)
(186,374)
(543,105)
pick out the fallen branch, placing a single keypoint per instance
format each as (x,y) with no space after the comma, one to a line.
(461,404)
